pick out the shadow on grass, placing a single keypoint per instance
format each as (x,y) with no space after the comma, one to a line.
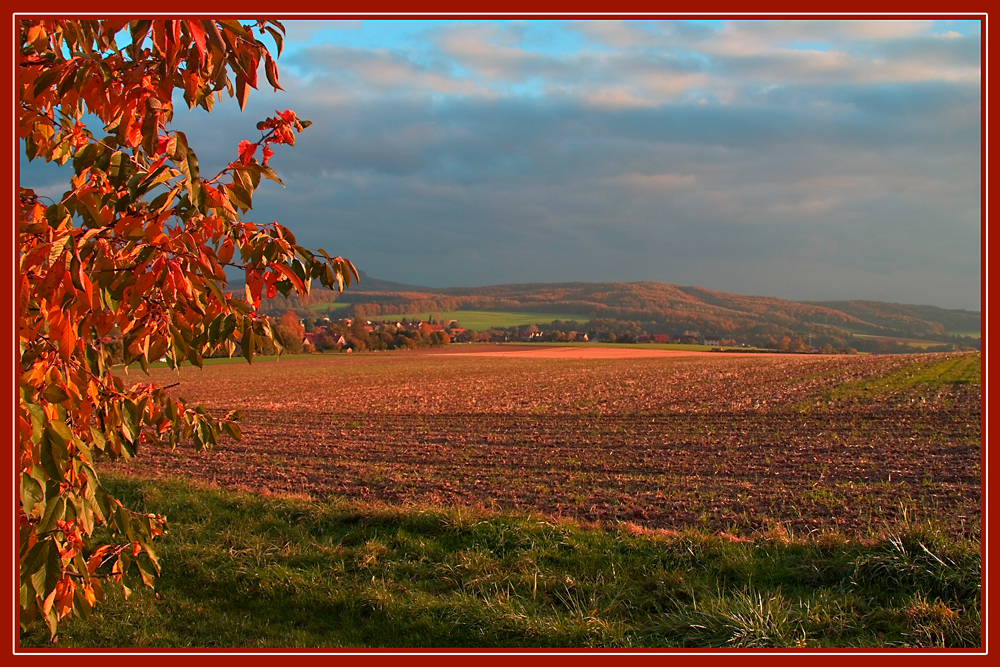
(244,571)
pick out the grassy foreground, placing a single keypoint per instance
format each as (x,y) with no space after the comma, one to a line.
(245,571)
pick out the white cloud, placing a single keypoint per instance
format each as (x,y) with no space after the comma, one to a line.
(663,144)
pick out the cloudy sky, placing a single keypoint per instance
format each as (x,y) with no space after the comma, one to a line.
(805,160)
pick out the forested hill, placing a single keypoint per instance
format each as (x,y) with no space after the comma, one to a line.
(931,318)
(664,307)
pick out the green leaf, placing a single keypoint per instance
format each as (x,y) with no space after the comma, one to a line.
(187,162)
(240,197)
(146,569)
(45,80)
(85,157)
(62,429)
(119,168)
(233,430)
(37,413)
(125,521)
(278,41)
(236,27)
(269,174)
(41,565)
(247,343)
(32,496)
(54,394)
(130,424)
(55,510)
(228,327)
(55,459)
(213,287)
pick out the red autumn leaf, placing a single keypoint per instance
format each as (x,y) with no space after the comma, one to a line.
(253,287)
(126,254)
(271,70)
(198,33)
(247,150)
(269,279)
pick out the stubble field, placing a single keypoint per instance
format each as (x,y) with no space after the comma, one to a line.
(733,443)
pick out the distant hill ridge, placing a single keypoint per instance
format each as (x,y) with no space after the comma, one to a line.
(674,306)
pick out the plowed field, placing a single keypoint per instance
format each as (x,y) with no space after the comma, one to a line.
(737,443)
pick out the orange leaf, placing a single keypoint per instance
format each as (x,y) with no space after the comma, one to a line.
(226,251)
(288,273)
(62,330)
(49,599)
(64,596)
(144,281)
(242,91)
(253,286)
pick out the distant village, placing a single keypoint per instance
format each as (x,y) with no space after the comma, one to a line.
(449,332)
(356,334)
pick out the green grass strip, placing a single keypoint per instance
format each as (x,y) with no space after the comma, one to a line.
(242,570)
(924,373)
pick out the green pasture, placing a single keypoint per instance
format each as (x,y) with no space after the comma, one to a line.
(918,343)
(323,307)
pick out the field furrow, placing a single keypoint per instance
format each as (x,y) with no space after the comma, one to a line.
(723,443)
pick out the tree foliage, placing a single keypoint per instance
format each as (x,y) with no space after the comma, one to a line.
(139,242)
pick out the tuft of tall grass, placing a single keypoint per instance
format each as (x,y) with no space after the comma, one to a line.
(923,562)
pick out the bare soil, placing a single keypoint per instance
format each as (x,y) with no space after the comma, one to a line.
(737,443)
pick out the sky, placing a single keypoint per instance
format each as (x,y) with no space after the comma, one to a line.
(807,160)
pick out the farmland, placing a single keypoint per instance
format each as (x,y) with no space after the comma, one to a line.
(724,443)
(520,497)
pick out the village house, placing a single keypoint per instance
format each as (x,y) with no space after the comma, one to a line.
(428,329)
